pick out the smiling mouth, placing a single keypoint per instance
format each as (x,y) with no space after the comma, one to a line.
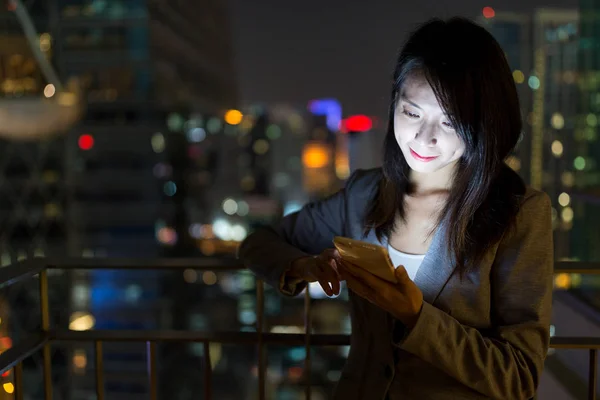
(419,157)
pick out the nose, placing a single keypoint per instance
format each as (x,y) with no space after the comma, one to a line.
(426,136)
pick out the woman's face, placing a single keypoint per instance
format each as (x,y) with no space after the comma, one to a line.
(423,132)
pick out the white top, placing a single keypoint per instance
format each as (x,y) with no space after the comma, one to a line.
(411,262)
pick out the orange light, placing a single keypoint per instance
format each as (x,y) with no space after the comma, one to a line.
(488,12)
(295,373)
(315,155)
(233,117)
(562,281)
(9,387)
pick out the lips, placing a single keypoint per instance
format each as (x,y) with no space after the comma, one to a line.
(421,158)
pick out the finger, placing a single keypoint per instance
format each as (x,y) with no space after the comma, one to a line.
(334,266)
(359,288)
(336,255)
(328,270)
(325,285)
(335,279)
(401,274)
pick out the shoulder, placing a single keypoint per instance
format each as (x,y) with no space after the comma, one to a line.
(534,204)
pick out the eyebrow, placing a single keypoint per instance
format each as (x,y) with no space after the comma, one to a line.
(406,99)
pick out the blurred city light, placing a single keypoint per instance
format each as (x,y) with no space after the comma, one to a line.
(557,121)
(170,188)
(330,108)
(8,387)
(356,123)
(222,228)
(209,278)
(534,82)
(230,206)
(564,199)
(261,146)
(81,321)
(86,142)
(158,142)
(196,135)
(167,236)
(49,90)
(488,12)
(567,214)
(579,163)
(315,155)
(243,208)
(233,117)
(591,119)
(562,281)
(557,148)
(518,76)
(79,359)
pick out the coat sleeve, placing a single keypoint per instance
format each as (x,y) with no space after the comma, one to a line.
(269,251)
(507,362)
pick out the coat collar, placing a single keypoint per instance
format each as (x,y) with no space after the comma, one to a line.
(437,266)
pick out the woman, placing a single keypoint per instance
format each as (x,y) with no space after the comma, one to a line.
(469,317)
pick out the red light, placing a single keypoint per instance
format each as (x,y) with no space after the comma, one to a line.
(6,374)
(357,123)
(86,142)
(488,12)
(5,342)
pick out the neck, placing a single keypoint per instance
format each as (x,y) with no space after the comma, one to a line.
(433,182)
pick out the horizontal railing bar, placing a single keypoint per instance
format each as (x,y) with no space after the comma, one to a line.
(252,338)
(577,267)
(207,263)
(565,342)
(21,351)
(222,263)
(197,336)
(21,271)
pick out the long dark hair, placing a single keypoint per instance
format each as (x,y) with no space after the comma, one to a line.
(472,81)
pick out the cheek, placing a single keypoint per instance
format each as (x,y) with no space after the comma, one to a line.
(454,147)
(400,131)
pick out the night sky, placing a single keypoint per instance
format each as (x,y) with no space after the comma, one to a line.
(291,51)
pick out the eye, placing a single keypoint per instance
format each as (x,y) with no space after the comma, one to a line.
(448,125)
(410,114)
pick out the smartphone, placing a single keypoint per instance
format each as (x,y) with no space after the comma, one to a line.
(370,257)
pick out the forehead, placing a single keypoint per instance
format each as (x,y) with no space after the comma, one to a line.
(416,89)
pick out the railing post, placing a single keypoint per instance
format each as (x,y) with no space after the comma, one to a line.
(99,371)
(45,315)
(18,381)
(260,308)
(207,372)
(151,356)
(592,374)
(307,331)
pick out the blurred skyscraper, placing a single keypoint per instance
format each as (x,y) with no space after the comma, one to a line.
(583,159)
(32,194)
(542,50)
(156,74)
(139,62)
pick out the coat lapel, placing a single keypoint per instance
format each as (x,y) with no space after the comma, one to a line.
(437,267)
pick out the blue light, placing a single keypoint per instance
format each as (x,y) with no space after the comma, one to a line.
(331,108)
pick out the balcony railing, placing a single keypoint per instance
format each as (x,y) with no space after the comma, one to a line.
(13,357)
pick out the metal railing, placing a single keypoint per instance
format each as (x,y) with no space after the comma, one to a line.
(13,357)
